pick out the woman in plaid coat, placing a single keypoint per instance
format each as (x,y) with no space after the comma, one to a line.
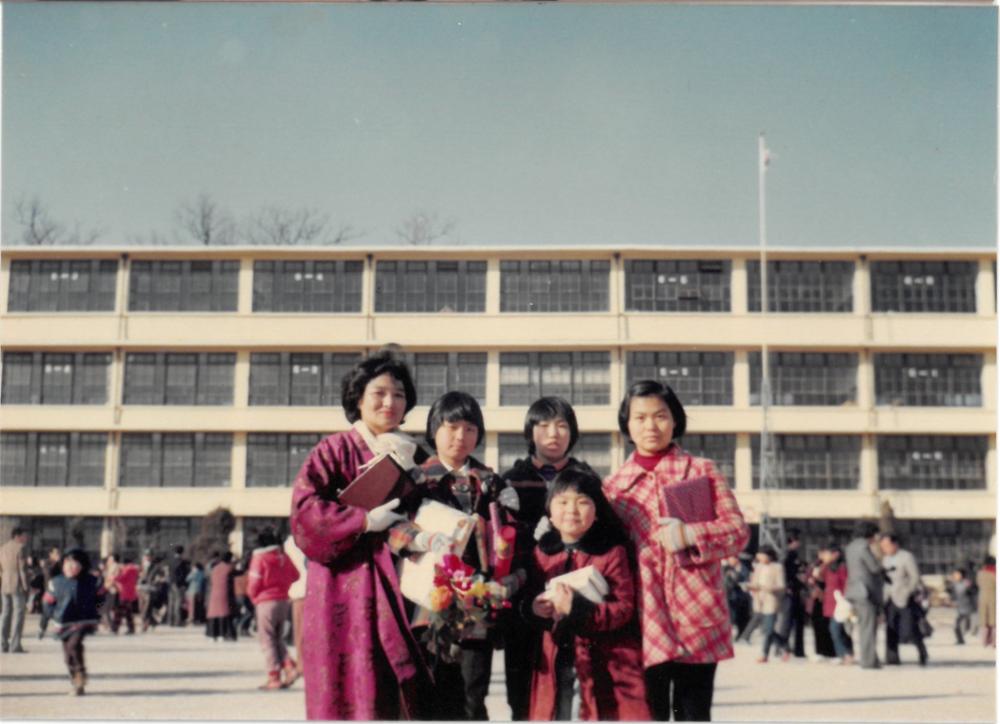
(682,600)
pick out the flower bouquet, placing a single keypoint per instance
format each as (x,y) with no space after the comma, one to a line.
(463,605)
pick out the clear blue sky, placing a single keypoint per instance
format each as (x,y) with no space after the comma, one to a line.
(526,124)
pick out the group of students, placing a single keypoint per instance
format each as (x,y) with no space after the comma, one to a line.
(648,650)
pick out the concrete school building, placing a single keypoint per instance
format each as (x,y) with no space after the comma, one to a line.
(144,386)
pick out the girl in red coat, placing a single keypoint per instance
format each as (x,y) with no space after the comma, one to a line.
(597,644)
(270,576)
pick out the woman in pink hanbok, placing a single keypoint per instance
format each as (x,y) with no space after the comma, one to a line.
(360,660)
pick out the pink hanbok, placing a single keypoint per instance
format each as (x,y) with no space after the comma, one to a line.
(360,660)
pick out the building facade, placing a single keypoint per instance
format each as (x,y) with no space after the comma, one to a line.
(144,387)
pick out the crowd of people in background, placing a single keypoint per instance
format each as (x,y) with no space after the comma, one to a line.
(679,590)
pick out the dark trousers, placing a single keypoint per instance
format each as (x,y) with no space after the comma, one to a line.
(175,605)
(520,645)
(123,612)
(896,619)
(963,622)
(460,688)
(73,652)
(691,699)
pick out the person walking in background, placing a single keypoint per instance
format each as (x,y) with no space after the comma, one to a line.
(243,613)
(864,590)
(220,600)
(683,615)
(960,590)
(550,431)
(51,568)
(986,581)
(834,583)
(179,566)
(793,611)
(820,623)
(768,589)
(36,585)
(271,573)
(903,612)
(73,598)
(297,595)
(195,593)
(126,582)
(736,575)
(112,564)
(14,590)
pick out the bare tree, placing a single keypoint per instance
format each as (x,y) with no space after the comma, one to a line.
(203,221)
(424,228)
(286,227)
(38,228)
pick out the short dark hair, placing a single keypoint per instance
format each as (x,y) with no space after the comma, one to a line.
(653,388)
(549,408)
(865,529)
(608,529)
(454,407)
(17,531)
(769,552)
(990,561)
(267,537)
(835,548)
(80,556)
(892,537)
(352,387)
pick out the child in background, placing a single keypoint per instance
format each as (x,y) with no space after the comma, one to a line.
(597,644)
(960,589)
(72,601)
(767,586)
(271,573)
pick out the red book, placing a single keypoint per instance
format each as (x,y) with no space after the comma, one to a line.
(381,481)
(690,500)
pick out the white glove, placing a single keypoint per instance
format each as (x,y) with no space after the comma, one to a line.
(543,527)
(673,534)
(380,518)
(436,542)
(508,499)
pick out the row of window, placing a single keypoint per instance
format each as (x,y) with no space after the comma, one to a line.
(583,378)
(663,285)
(797,462)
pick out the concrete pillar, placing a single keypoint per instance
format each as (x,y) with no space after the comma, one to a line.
(741,379)
(868,485)
(493,286)
(743,463)
(493,378)
(866,380)
(241,379)
(989,380)
(238,475)
(738,286)
(986,300)
(244,299)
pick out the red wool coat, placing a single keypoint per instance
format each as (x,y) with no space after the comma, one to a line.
(607,646)
(271,574)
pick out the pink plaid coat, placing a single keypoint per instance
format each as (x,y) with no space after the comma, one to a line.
(682,609)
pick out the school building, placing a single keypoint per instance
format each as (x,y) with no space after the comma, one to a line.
(145,386)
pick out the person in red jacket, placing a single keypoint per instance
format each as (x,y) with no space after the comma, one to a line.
(594,645)
(126,581)
(271,574)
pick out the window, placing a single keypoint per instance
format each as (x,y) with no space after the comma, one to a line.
(273,459)
(179,378)
(307,286)
(591,448)
(176,460)
(677,285)
(46,532)
(79,378)
(134,535)
(939,545)
(309,379)
(183,286)
(582,378)
(803,286)
(807,378)
(66,285)
(52,459)
(554,286)
(430,286)
(435,373)
(721,449)
(698,378)
(812,462)
(924,286)
(931,462)
(929,380)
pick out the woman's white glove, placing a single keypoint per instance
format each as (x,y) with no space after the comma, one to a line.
(436,542)
(543,527)
(382,517)
(674,535)
(508,499)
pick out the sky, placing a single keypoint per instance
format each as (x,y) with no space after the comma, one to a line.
(524,124)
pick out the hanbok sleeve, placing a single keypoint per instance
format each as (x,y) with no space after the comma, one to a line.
(618,607)
(323,528)
(725,536)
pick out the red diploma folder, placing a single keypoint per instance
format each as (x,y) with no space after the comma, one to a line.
(381,481)
(690,500)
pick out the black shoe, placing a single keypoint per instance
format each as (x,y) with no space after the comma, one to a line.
(19,650)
